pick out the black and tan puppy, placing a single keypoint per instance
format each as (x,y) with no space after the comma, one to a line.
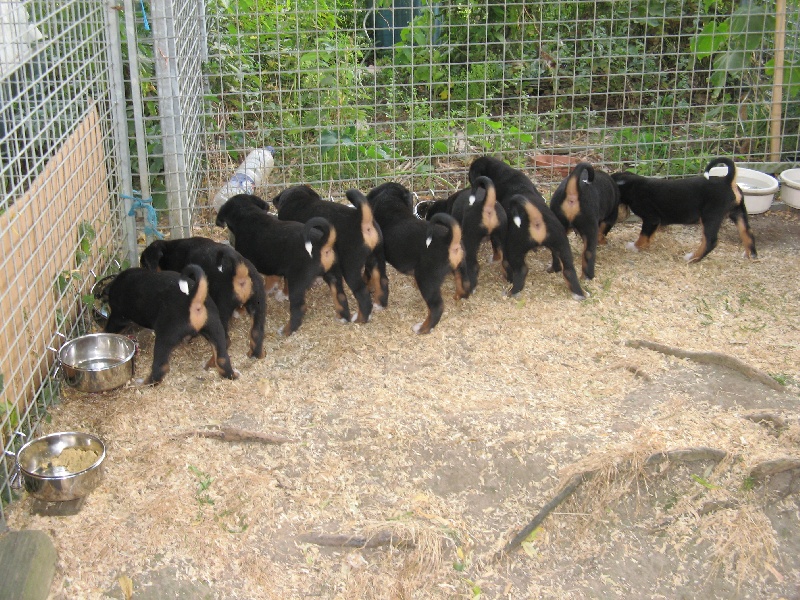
(296,251)
(480,215)
(359,243)
(587,201)
(233,281)
(176,306)
(531,225)
(705,198)
(427,250)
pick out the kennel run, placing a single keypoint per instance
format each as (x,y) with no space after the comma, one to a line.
(119,121)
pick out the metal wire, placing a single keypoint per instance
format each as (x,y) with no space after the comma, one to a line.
(59,177)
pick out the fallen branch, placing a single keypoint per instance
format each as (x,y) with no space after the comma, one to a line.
(711,358)
(233,434)
(765,418)
(381,538)
(680,455)
(773,467)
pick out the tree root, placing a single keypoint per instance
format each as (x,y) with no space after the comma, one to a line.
(233,434)
(711,358)
(572,484)
(381,538)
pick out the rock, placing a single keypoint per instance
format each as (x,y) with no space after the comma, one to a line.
(27,565)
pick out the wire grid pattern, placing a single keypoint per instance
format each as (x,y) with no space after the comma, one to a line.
(351,93)
(55,104)
(179,49)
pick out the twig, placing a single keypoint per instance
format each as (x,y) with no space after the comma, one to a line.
(382,538)
(680,455)
(711,358)
(232,434)
(762,418)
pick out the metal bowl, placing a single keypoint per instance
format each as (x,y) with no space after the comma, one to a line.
(97,362)
(44,474)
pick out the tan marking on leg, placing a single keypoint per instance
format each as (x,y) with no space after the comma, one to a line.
(456,250)
(198,315)
(327,255)
(368,230)
(643,242)
(337,303)
(242,284)
(461,292)
(425,326)
(571,207)
(272,283)
(701,249)
(536,227)
(746,237)
(489,217)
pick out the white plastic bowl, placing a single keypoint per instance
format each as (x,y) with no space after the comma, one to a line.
(790,190)
(758,188)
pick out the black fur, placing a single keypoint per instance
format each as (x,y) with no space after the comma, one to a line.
(175,306)
(233,280)
(359,243)
(297,252)
(587,201)
(542,228)
(480,216)
(428,251)
(704,198)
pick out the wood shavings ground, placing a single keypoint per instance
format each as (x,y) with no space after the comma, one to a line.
(455,440)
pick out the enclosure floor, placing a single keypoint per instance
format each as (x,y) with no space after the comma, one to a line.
(452,442)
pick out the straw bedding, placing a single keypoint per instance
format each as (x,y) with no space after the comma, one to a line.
(437,449)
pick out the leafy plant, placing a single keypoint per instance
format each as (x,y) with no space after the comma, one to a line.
(204,482)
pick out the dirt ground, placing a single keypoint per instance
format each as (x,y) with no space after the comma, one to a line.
(454,441)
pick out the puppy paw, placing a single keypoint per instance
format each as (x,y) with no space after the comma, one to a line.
(579,297)
(631,246)
(377,306)
(689,257)
(354,317)
(280,296)
(236,374)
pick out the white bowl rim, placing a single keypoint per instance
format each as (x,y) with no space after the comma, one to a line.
(793,181)
(752,174)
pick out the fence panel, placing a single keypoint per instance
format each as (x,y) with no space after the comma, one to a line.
(60,219)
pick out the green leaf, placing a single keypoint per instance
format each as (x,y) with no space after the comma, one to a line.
(711,38)
(706,484)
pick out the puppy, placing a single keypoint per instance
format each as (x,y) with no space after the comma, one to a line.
(703,198)
(295,251)
(359,243)
(541,228)
(588,202)
(175,306)
(428,251)
(480,215)
(233,281)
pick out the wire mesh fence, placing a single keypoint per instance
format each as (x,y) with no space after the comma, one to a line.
(59,219)
(349,93)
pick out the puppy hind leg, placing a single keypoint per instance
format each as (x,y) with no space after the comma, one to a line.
(739,216)
(340,305)
(555,265)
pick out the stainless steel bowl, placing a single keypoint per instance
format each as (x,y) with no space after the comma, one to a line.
(44,476)
(97,362)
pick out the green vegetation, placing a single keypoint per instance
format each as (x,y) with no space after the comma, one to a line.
(655,85)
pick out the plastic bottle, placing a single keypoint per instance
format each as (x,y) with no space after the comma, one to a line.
(248,176)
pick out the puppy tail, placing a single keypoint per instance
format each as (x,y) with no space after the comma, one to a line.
(583,168)
(193,283)
(730,177)
(318,232)
(453,228)
(370,232)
